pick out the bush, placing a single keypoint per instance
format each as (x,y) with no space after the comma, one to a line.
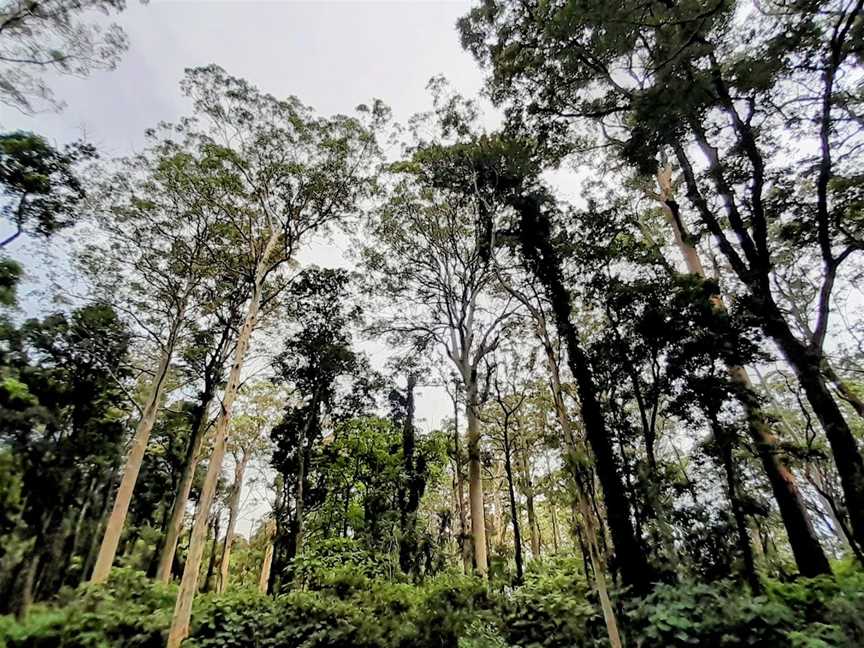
(130,610)
(552,609)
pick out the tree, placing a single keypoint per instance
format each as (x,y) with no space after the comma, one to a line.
(292,175)
(40,185)
(722,105)
(52,35)
(62,380)
(258,406)
(316,358)
(425,260)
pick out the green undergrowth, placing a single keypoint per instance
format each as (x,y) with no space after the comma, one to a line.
(551,609)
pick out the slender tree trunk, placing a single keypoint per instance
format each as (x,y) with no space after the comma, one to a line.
(211,564)
(553,515)
(181,497)
(475,480)
(93,547)
(809,556)
(233,509)
(300,487)
(25,599)
(581,505)
(514,509)
(114,528)
(464,546)
(413,484)
(189,583)
(543,261)
(267,564)
(733,489)
(533,527)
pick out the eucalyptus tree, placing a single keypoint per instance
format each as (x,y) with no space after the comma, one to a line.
(205,359)
(433,285)
(149,254)
(51,36)
(292,174)
(258,406)
(771,173)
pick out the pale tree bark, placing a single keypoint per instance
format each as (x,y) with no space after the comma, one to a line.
(464,547)
(809,556)
(233,510)
(553,514)
(267,564)
(189,583)
(584,508)
(117,519)
(475,479)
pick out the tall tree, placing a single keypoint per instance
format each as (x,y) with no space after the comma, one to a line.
(292,175)
(258,406)
(722,105)
(425,259)
(150,267)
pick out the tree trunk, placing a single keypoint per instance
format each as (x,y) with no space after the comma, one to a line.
(809,556)
(543,261)
(733,488)
(267,564)
(233,510)
(25,599)
(844,447)
(533,528)
(189,583)
(580,504)
(413,484)
(514,510)
(300,488)
(475,480)
(181,497)
(211,564)
(114,528)
(464,546)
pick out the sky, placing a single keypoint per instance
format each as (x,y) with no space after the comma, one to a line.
(331,55)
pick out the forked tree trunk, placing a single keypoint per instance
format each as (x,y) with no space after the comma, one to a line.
(114,528)
(809,556)
(233,509)
(189,584)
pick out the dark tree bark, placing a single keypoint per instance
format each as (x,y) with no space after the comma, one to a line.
(542,259)
(413,486)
